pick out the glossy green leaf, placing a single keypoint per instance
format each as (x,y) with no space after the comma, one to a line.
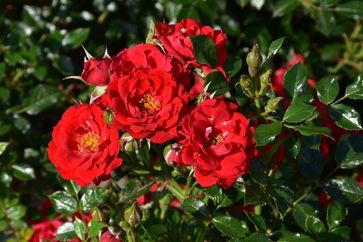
(70,186)
(218,196)
(133,190)
(349,151)
(80,229)
(298,237)
(309,130)
(216,83)
(327,89)
(40,98)
(258,221)
(345,117)
(23,172)
(301,212)
(3,146)
(193,205)
(343,232)
(258,237)
(76,37)
(95,228)
(344,189)
(283,196)
(237,65)
(230,226)
(64,203)
(255,193)
(355,90)
(335,214)
(266,133)
(275,46)
(204,50)
(283,7)
(66,231)
(93,198)
(299,112)
(295,81)
(310,163)
(314,225)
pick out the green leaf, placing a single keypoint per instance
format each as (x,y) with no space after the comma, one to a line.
(295,81)
(216,83)
(133,190)
(16,212)
(325,21)
(40,98)
(351,8)
(284,7)
(327,89)
(301,212)
(80,229)
(64,203)
(258,237)
(93,198)
(3,146)
(230,226)
(3,225)
(94,228)
(355,90)
(23,172)
(258,221)
(298,237)
(266,133)
(308,130)
(299,112)
(343,232)
(275,46)
(204,50)
(349,151)
(335,214)
(345,117)
(235,69)
(344,189)
(192,205)
(66,231)
(75,38)
(217,195)
(310,163)
(283,196)
(70,186)
(255,193)
(314,225)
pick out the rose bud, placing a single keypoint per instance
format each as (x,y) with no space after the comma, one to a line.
(132,215)
(254,60)
(96,71)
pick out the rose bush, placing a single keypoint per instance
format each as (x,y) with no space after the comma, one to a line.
(173,139)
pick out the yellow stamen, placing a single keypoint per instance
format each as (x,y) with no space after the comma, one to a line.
(89,141)
(149,103)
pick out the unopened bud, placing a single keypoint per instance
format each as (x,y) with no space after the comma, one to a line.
(265,81)
(273,104)
(254,57)
(151,33)
(133,215)
(245,82)
(128,143)
(170,154)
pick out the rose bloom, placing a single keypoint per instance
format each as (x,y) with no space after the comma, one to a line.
(175,38)
(45,230)
(84,147)
(96,72)
(147,104)
(217,141)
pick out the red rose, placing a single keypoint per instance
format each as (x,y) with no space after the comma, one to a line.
(147,104)
(45,231)
(107,236)
(83,147)
(217,141)
(176,40)
(96,72)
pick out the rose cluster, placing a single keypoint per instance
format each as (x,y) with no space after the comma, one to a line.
(151,90)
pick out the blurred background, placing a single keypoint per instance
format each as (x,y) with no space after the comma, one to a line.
(40,44)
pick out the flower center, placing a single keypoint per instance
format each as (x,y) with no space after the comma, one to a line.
(148,102)
(89,141)
(216,140)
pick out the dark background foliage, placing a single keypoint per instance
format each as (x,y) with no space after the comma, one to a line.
(40,44)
